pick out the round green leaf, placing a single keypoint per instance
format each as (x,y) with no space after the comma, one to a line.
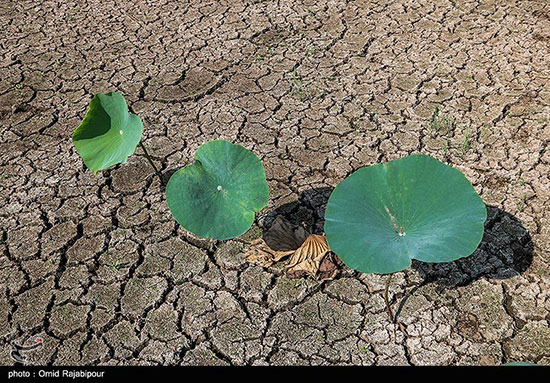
(217,195)
(416,207)
(108,134)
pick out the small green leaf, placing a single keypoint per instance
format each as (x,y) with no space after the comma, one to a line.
(416,207)
(108,135)
(217,195)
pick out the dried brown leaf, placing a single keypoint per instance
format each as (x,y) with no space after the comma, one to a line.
(307,258)
(259,253)
(310,253)
(329,267)
(283,236)
(279,241)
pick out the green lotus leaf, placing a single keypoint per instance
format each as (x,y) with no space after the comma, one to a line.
(218,195)
(382,216)
(108,135)
(519,364)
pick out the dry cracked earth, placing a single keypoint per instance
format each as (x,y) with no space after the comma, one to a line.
(95,267)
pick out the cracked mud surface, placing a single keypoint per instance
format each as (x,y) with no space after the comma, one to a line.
(96,266)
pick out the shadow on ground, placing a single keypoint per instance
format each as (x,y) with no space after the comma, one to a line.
(166,175)
(308,211)
(506,249)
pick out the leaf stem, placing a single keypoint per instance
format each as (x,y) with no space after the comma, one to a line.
(390,313)
(393,318)
(151,161)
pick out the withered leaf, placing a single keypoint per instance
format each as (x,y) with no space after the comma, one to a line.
(284,236)
(310,254)
(279,241)
(258,253)
(308,257)
(329,267)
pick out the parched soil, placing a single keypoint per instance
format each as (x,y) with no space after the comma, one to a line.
(95,270)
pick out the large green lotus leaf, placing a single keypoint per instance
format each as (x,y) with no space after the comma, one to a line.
(108,134)
(416,207)
(218,195)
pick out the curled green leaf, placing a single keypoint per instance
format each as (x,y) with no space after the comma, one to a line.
(109,134)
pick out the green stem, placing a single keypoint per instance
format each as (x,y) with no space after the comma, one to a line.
(151,161)
(390,313)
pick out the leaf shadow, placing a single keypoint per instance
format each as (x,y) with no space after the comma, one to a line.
(506,250)
(308,211)
(166,175)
